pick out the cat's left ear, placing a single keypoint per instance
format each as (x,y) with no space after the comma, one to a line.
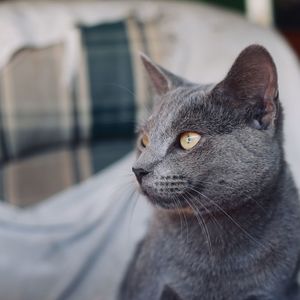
(162,80)
(252,81)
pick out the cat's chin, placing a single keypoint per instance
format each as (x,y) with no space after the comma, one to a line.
(177,203)
(166,203)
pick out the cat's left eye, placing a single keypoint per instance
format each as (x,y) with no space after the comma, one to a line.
(189,140)
(144,140)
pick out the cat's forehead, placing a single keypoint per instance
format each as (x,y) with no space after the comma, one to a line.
(178,106)
(193,108)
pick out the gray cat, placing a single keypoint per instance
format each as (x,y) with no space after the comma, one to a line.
(226,222)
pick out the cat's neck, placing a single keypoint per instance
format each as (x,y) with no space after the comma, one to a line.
(232,227)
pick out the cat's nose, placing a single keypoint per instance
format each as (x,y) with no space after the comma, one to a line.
(139,173)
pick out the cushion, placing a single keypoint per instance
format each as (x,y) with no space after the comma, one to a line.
(55,133)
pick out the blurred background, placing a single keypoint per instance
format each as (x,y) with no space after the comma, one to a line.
(282,14)
(71,84)
(72,89)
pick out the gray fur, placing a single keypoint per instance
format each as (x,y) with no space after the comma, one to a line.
(227,216)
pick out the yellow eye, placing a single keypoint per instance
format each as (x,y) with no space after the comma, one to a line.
(189,140)
(145,140)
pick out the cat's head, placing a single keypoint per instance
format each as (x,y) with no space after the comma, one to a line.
(211,146)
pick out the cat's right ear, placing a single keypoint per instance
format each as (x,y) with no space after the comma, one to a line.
(162,80)
(169,294)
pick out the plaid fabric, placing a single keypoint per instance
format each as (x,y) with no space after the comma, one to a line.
(110,81)
(35,106)
(53,136)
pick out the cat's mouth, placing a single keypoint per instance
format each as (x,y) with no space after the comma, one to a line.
(168,192)
(175,193)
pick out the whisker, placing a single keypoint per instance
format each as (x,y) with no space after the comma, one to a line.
(233,189)
(134,198)
(203,226)
(208,211)
(187,227)
(232,219)
(123,87)
(179,213)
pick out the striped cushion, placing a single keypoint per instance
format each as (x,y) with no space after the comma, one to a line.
(54,135)
(111,81)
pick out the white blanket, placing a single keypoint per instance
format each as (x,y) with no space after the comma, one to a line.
(76,245)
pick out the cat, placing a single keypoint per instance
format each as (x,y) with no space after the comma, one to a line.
(210,158)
